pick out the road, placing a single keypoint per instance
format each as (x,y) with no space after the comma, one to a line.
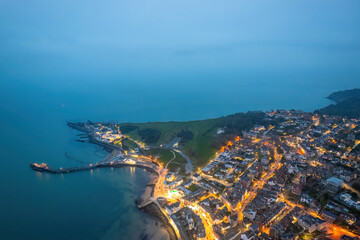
(251,195)
(159,190)
(258,185)
(206,220)
(266,132)
(189,167)
(223,182)
(347,186)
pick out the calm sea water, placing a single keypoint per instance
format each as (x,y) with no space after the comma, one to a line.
(100,204)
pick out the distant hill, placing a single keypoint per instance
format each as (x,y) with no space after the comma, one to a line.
(347,104)
(342,96)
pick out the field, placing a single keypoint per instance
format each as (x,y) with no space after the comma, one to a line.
(165,155)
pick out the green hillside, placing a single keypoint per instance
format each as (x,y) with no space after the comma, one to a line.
(157,133)
(198,138)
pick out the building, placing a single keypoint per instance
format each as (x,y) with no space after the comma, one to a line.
(336,182)
(250,214)
(329,216)
(173,208)
(197,177)
(248,235)
(170,177)
(311,223)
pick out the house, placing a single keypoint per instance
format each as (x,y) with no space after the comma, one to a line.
(311,223)
(170,177)
(228,165)
(219,175)
(188,183)
(234,220)
(174,184)
(197,177)
(248,235)
(345,196)
(245,181)
(250,214)
(306,199)
(348,218)
(265,160)
(173,208)
(225,226)
(297,189)
(263,236)
(329,216)
(254,227)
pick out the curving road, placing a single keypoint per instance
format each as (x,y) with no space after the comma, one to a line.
(170,160)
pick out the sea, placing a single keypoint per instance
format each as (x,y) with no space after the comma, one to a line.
(100,204)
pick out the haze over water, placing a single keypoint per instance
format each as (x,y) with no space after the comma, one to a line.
(145,61)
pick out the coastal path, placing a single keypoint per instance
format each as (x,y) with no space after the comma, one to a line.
(170,160)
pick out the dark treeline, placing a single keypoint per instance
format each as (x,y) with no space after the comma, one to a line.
(348,108)
(125,129)
(235,124)
(238,122)
(347,104)
(185,135)
(149,135)
(341,96)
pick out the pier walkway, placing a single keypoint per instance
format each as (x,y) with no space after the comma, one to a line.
(45,168)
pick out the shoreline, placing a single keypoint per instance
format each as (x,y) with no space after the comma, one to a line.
(153,210)
(148,193)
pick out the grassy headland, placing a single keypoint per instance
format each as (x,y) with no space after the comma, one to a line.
(197,139)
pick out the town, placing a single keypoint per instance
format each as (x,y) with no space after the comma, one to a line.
(295,180)
(295,177)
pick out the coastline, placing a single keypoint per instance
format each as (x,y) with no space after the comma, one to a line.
(147,195)
(148,192)
(153,210)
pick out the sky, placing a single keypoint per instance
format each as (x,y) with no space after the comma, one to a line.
(86,41)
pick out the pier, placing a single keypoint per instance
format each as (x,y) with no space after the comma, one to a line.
(45,168)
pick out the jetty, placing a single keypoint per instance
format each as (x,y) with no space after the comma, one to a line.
(42,167)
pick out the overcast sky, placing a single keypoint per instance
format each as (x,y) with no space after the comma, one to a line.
(42,39)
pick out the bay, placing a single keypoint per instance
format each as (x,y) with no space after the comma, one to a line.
(101,204)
